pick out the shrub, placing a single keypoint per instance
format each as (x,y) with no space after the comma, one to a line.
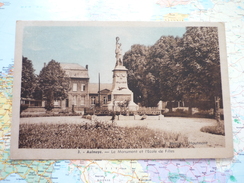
(177,114)
(217,130)
(203,115)
(49,105)
(182,113)
(47,115)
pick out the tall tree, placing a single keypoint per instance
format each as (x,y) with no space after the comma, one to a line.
(53,83)
(136,60)
(174,68)
(201,78)
(153,71)
(28,79)
(164,65)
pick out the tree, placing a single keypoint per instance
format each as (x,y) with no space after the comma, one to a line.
(153,71)
(174,69)
(53,83)
(123,105)
(136,60)
(165,67)
(201,78)
(28,79)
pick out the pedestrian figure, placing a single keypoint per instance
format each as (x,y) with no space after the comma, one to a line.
(113,117)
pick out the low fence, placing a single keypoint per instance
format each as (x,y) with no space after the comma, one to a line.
(105,112)
(41,112)
(149,111)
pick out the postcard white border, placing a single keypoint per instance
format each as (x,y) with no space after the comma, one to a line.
(167,153)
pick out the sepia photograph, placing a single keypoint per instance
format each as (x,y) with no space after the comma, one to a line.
(120,90)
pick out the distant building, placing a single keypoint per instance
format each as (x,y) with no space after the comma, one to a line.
(81,95)
(78,96)
(104,97)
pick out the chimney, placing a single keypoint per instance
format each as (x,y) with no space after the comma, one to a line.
(87,67)
(44,64)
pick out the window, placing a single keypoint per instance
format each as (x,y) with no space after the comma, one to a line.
(83,87)
(105,100)
(93,100)
(74,86)
(82,102)
(56,103)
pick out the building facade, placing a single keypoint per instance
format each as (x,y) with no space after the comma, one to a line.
(100,94)
(78,96)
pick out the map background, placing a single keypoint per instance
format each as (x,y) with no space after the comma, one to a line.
(215,170)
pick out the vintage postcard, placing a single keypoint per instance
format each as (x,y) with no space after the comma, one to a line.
(120,90)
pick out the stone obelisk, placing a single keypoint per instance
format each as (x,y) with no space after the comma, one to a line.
(120,91)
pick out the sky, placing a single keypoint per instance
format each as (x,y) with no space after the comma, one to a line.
(87,45)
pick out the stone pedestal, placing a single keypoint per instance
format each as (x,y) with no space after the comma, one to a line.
(120,91)
(160,117)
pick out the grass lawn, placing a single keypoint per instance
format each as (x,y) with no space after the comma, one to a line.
(99,135)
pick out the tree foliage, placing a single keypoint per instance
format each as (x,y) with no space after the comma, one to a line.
(153,70)
(136,61)
(53,83)
(123,105)
(28,79)
(201,63)
(165,67)
(174,68)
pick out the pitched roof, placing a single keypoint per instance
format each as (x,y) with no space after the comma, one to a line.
(72,66)
(93,87)
(74,70)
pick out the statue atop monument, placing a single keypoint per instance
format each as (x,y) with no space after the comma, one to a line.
(118,53)
(120,91)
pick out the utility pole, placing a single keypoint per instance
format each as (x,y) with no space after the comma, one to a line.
(99,102)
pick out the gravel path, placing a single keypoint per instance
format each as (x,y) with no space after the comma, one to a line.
(189,127)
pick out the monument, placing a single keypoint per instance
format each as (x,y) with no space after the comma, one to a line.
(120,92)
